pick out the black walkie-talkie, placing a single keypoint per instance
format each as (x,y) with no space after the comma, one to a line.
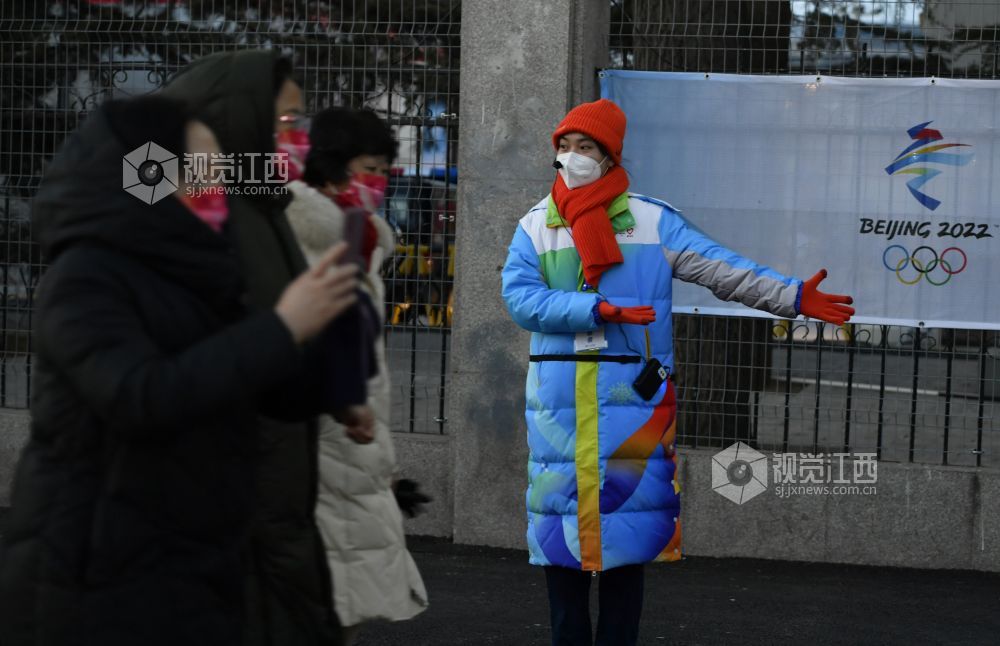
(653,374)
(650,379)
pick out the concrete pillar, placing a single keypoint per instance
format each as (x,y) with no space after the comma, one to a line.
(524,63)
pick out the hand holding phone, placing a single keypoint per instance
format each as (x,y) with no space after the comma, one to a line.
(355,220)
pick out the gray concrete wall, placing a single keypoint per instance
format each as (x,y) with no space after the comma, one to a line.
(921,516)
(524,63)
(428,459)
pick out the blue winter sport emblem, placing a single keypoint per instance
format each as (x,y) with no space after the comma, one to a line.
(914,159)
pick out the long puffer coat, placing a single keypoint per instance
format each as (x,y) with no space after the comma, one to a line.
(602,491)
(288,588)
(374,576)
(133,499)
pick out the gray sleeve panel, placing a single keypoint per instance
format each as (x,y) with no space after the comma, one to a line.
(731,284)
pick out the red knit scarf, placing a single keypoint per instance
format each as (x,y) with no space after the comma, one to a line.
(586,210)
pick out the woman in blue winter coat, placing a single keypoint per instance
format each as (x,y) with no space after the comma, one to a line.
(589,273)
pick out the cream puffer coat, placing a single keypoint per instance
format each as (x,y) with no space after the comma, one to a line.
(374,576)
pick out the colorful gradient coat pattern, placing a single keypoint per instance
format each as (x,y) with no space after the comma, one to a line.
(602,491)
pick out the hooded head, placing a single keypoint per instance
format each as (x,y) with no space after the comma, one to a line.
(601,120)
(247,97)
(83,199)
(235,93)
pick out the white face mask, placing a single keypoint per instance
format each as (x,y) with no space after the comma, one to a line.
(579,170)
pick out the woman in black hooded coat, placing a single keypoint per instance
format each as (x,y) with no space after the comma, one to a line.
(133,499)
(244,97)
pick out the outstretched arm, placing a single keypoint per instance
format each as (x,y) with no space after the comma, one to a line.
(696,258)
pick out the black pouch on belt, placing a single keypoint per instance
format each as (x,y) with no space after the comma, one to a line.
(652,376)
(650,379)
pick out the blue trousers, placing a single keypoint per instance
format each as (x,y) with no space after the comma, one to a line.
(619,606)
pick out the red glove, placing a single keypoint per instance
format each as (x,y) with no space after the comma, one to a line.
(642,315)
(832,308)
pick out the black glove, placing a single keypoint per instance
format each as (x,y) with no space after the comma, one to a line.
(409,499)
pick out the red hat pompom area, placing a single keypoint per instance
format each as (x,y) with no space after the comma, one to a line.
(601,120)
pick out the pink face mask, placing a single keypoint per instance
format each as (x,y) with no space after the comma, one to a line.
(295,145)
(209,205)
(367,190)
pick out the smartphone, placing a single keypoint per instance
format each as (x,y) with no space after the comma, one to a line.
(355,219)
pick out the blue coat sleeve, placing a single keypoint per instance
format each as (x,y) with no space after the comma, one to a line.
(530,301)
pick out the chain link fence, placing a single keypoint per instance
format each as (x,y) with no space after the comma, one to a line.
(59,59)
(905,394)
(908,394)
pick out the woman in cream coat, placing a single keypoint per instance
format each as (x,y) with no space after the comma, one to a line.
(374,576)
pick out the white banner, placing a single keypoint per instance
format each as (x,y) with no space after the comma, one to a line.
(887,183)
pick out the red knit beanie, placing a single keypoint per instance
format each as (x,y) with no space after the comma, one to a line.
(601,120)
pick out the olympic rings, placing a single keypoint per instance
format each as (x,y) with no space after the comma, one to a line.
(923,268)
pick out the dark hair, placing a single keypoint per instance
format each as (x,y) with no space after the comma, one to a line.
(337,136)
(148,118)
(283,71)
(377,136)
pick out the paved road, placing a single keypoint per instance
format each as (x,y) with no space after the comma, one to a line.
(488,596)
(492,596)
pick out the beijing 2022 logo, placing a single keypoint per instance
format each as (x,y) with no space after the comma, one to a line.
(925,263)
(923,151)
